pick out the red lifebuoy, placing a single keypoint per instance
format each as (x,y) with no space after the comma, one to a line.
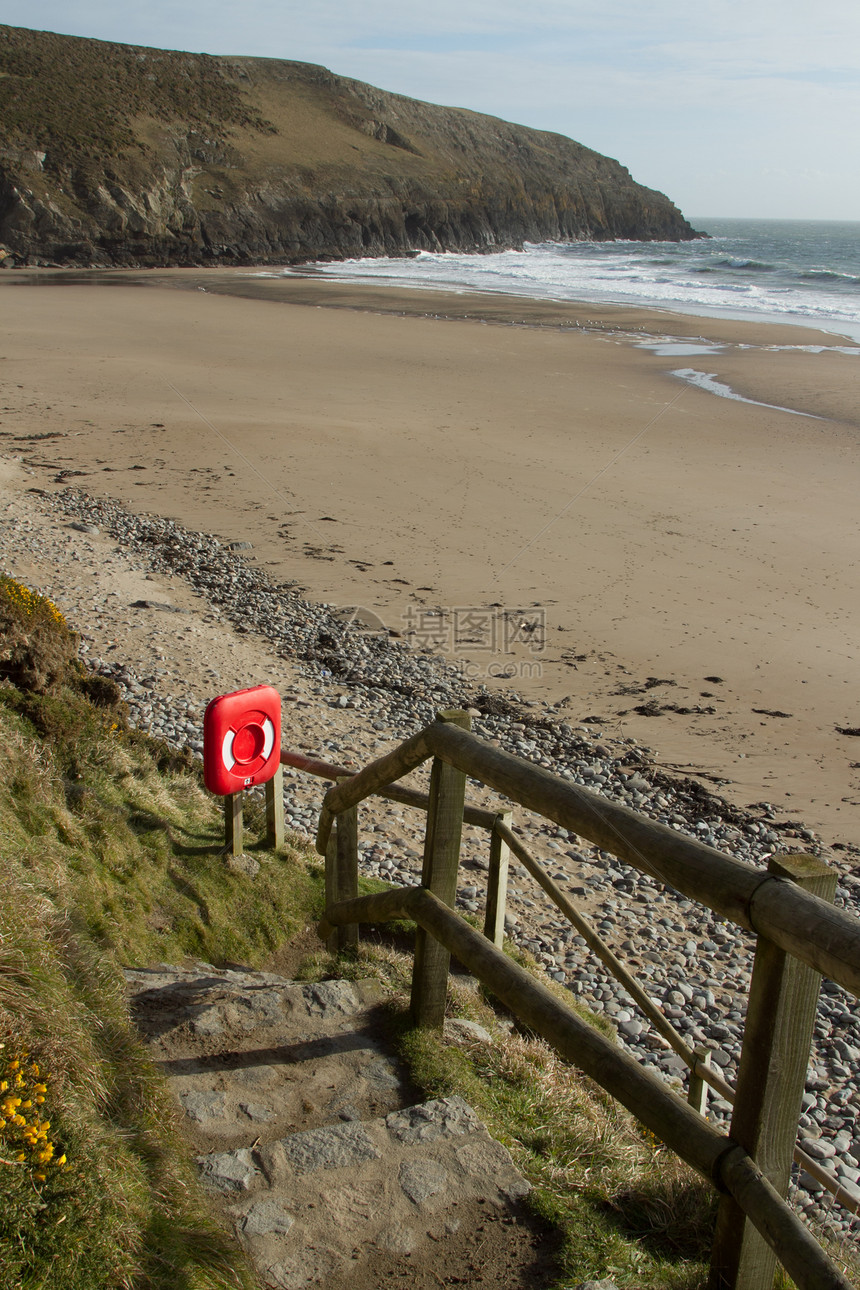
(241,739)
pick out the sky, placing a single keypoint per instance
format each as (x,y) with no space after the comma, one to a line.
(745,108)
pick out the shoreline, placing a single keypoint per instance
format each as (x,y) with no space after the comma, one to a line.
(301,285)
(551,464)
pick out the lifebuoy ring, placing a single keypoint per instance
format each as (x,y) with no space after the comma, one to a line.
(249,746)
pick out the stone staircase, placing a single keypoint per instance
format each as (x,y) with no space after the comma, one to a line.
(304,1128)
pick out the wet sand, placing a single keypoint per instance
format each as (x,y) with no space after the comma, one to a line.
(413,451)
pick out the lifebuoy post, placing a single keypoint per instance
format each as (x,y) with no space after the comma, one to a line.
(241,749)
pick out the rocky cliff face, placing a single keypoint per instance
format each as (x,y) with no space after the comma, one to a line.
(115,155)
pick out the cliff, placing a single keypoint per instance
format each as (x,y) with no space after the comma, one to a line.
(117,155)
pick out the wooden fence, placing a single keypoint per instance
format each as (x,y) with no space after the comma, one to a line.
(800,935)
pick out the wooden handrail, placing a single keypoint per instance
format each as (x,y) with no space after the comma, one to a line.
(655,1015)
(814,931)
(779,906)
(313,766)
(710,1153)
(475,815)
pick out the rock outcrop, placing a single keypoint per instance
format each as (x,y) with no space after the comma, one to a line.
(117,155)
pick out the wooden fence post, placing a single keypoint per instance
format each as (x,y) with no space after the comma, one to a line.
(771,1079)
(233,840)
(497,884)
(341,873)
(333,939)
(439,875)
(347,869)
(697,1089)
(275,810)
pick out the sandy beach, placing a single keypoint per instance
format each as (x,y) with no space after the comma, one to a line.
(520,486)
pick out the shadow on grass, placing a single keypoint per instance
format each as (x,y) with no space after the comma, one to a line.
(190,892)
(142,822)
(670,1219)
(174,1254)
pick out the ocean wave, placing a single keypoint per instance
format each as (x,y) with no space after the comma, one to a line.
(828,275)
(708,381)
(749,266)
(766,276)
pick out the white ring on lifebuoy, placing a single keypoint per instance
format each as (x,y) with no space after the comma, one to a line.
(268,744)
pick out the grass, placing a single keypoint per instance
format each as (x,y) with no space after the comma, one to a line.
(110,856)
(80,100)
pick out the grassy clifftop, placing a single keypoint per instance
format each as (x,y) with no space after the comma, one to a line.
(109,857)
(114,154)
(80,98)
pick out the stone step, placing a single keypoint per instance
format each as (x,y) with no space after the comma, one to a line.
(251,1056)
(305,1130)
(317,1205)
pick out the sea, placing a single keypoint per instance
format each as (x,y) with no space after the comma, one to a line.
(789,271)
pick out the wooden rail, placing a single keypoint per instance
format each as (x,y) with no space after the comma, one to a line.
(721,1161)
(391,793)
(825,938)
(695,1058)
(800,935)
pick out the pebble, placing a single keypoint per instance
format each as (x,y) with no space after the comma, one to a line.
(397,690)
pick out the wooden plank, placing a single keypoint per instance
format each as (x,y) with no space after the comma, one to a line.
(722,882)
(497,882)
(820,934)
(393,793)
(325,824)
(476,815)
(439,875)
(799,1252)
(275,810)
(233,840)
(826,938)
(831,1181)
(380,773)
(771,1078)
(313,766)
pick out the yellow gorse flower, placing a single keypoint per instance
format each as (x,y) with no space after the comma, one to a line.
(24,1137)
(32,605)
